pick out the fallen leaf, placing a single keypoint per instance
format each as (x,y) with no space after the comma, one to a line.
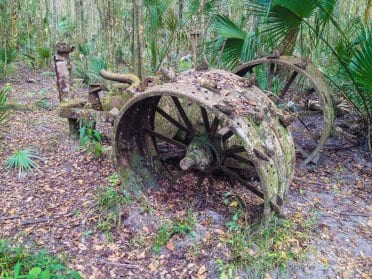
(145,229)
(170,246)
(202,270)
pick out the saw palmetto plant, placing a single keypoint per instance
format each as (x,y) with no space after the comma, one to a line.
(22,160)
(304,27)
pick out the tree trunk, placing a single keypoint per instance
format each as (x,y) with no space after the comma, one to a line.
(202,27)
(14,37)
(133,38)
(140,39)
(79,11)
(368,13)
(181,5)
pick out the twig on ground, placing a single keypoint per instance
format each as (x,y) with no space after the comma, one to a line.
(9,217)
(35,221)
(125,265)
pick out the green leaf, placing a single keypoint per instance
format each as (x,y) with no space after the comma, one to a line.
(75,275)
(361,66)
(302,9)
(34,272)
(45,275)
(228,29)
(17,269)
(249,47)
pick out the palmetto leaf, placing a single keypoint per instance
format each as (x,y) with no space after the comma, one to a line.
(7,55)
(192,7)
(249,47)
(44,52)
(97,65)
(232,40)
(361,67)
(155,10)
(23,160)
(228,29)
(84,49)
(301,9)
(232,51)
(171,20)
(326,10)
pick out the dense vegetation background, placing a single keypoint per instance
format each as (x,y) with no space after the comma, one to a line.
(141,37)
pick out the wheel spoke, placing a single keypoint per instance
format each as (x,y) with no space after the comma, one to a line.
(171,119)
(166,139)
(169,155)
(233,150)
(240,159)
(214,127)
(184,116)
(271,76)
(312,135)
(308,113)
(227,135)
(237,177)
(302,151)
(288,84)
(205,119)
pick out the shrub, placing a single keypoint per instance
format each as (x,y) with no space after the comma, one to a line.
(44,54)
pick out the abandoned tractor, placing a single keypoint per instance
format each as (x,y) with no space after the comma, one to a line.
(210,122)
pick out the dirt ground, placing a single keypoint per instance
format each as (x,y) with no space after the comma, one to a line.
(54,206)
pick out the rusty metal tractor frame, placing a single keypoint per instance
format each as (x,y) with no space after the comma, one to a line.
(206,123)
(316,87)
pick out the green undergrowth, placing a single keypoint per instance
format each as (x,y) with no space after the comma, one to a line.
(112,199)
(18,261)
(258,250)
(170,228)
(90,138)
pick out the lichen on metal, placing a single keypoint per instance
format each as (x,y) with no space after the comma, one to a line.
(317,81)
(238,122)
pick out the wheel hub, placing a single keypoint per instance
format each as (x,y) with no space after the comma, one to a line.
(203,153)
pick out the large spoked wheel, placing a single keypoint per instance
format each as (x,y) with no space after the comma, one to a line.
(299,88)
(206,123)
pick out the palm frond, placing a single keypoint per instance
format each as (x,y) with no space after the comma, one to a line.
(249,48)
(231,53)
(228,29)
(171,20)
(23,161)
(97,65)
(361,66)
(84,49)
(44,52)
(7,55)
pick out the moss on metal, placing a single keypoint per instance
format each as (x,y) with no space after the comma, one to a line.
(250,114)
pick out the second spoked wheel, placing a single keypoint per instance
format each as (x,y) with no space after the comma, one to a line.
(210,124)
(299,88)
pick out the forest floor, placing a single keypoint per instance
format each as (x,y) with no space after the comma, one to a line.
(55,207)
